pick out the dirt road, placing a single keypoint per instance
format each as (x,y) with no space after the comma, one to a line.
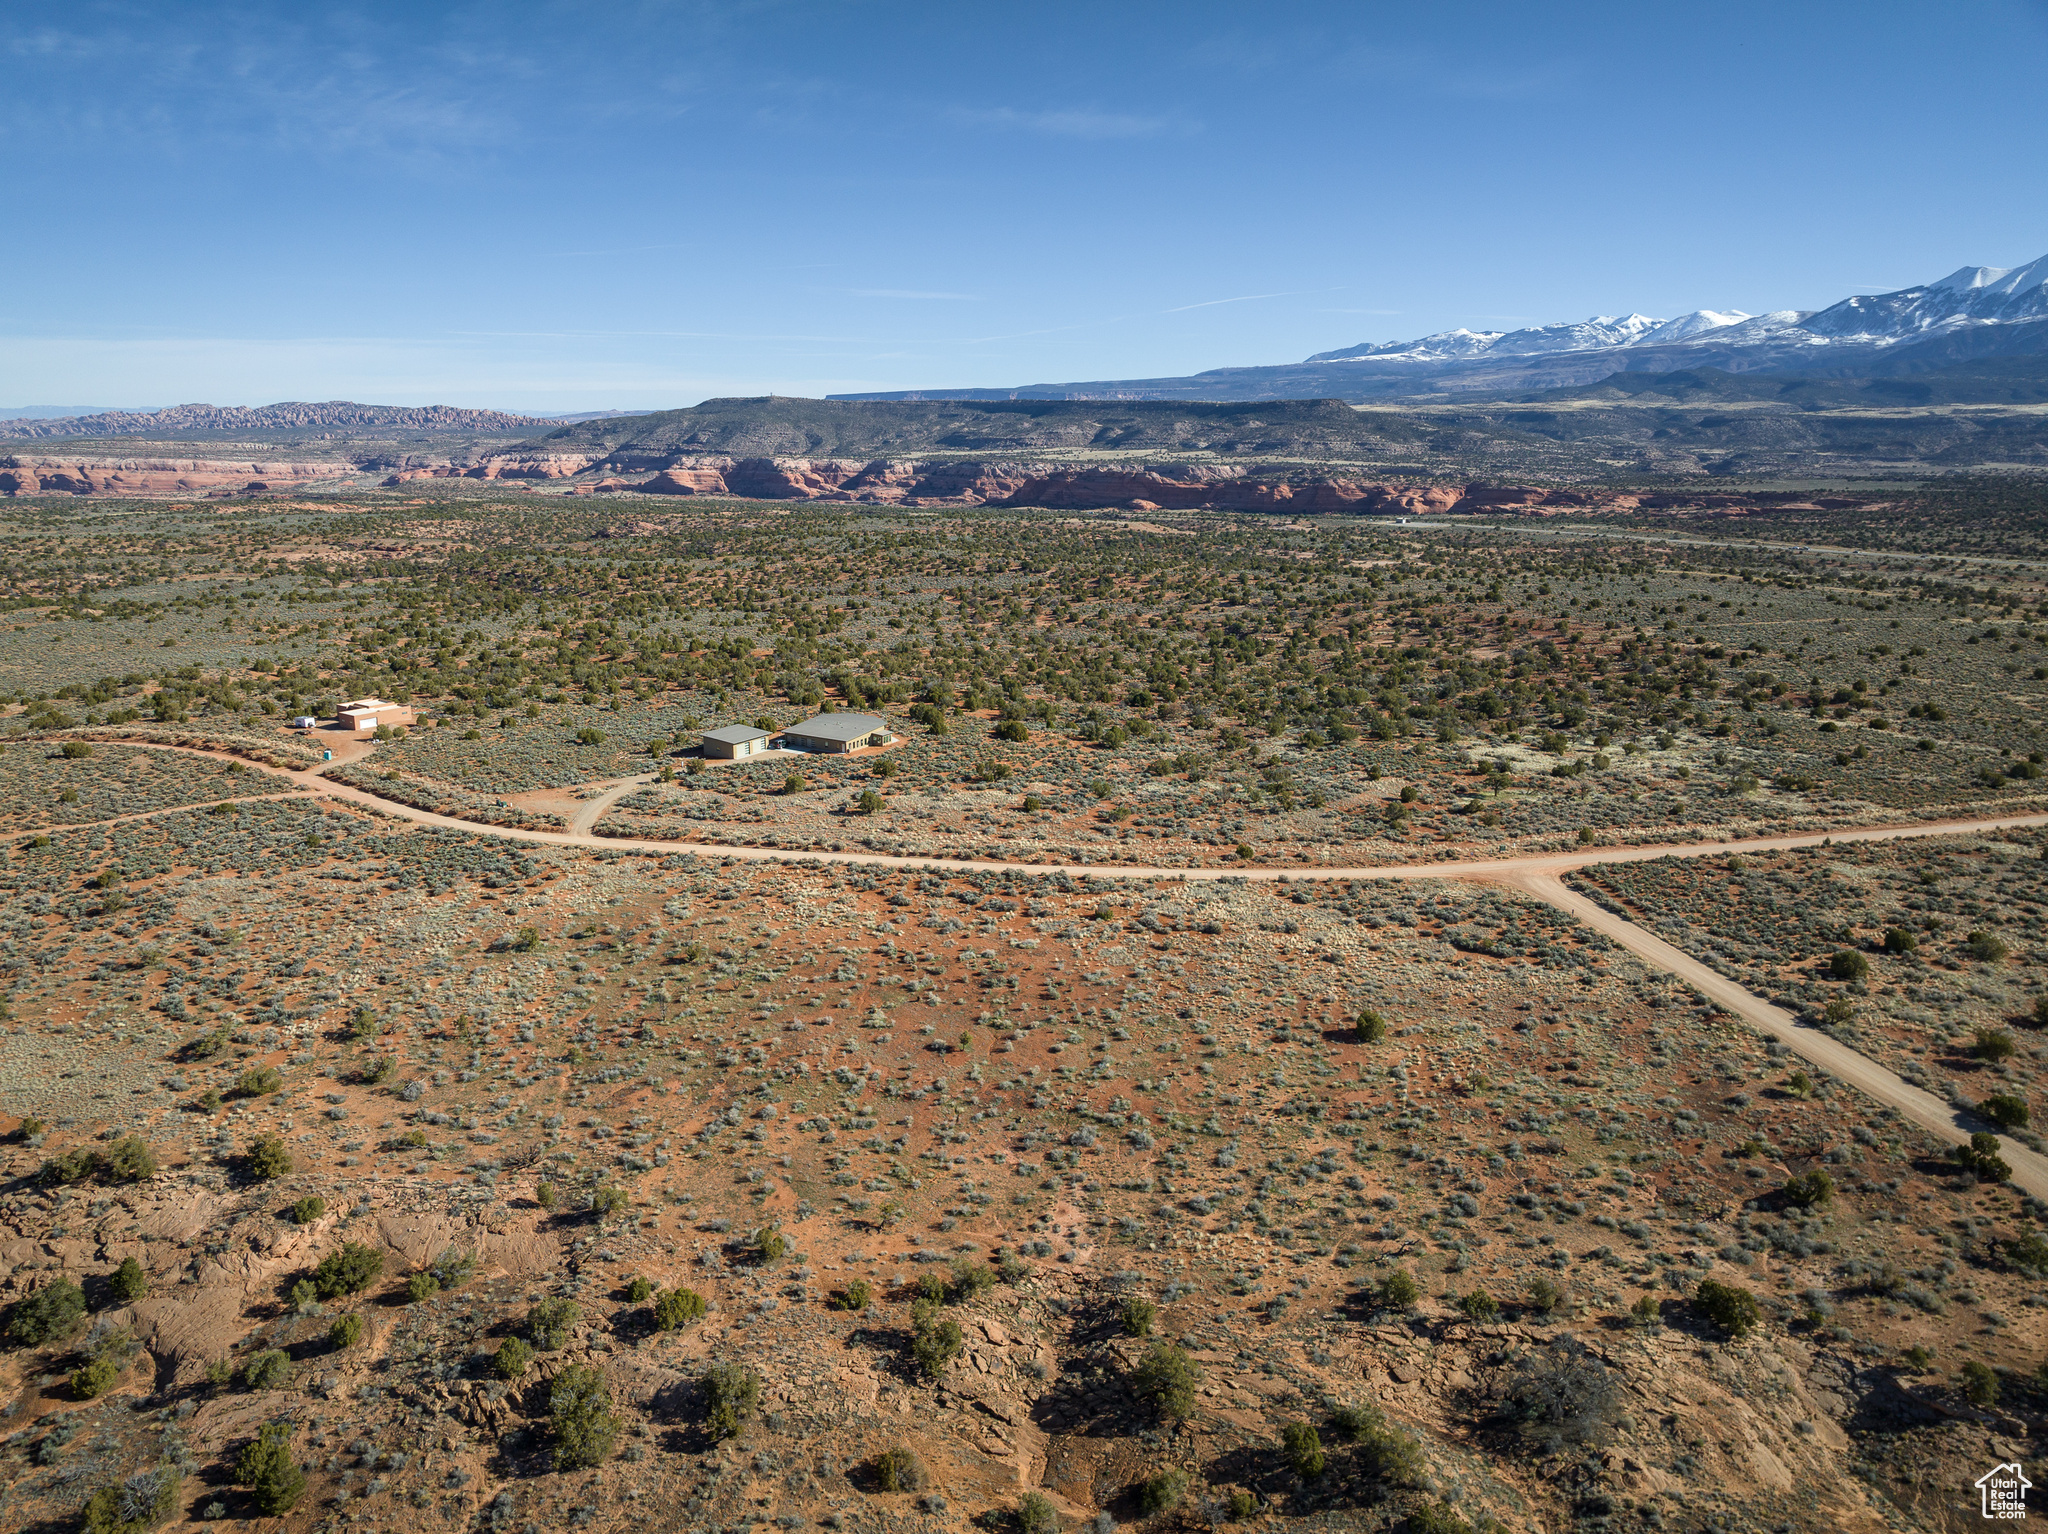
(2029,1170)
(1536,875)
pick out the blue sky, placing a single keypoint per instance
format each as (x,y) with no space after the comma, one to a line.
(540,206)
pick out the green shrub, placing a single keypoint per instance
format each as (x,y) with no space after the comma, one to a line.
(770,1245)
(346,1331)
(1981,1159)
(259,1082)
(732,1394)
(2006,1110)
(971,1279)
(1809,1190)
(1303,1447)
(308,1209)
(639,1292)
(551,1321)
(1166,1377)
(1848,964)
(1397,1291)
(608,1200)
(899,1469)
(1012,1268)
(51,1312)
(128,1283)
(74,750)
(1646,1312)
(1036,1515)
(129,1159)
(543,1191)
(268,1159)
(1987,947)
(1994,1045)
(1899,940)
(1734,1311)
(350,1270)
(138,1504)
(1242,1505)
(265,1467)
(421,1286)
(1544,1296)
(1163,1492)
(678,1308)
(270,1369)
(79,1164)
(857,1295)
(454,1267)
(514,1356)
(936,1344)
(579,1410)
(1980,1383)
(1352,1423)
(1479,1306)
(1370,1027)
(1137,1315)
(95,1379)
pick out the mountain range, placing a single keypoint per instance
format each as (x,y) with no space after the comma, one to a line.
(295,416)
(1976,314)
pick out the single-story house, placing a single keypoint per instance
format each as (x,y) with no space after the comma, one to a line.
(736,740)
(366,714)
(838,732)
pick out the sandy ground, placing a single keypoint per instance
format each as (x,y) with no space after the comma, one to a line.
(1536,875)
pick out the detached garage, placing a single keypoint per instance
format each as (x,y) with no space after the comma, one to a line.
(736,740)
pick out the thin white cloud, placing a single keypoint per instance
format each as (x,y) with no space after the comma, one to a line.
(1210,303)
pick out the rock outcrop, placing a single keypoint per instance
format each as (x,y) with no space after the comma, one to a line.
(22,475)
(499,466)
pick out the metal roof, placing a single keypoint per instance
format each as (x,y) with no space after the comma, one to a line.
(736,734)
(838,726)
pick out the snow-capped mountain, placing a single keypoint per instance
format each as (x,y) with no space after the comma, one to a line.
(1973,296)
(1977,313)
(1599,331)
(1976,295)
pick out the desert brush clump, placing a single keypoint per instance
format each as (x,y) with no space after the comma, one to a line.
(1167,1378)
(266,1467)
(350,1269)
(136,1505)
(551,1321)
(675,1309)
(732,1394)
(899,1469)
(579,1412)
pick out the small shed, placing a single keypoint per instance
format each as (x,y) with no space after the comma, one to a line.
(838,732)
(305,722)
(736,740)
